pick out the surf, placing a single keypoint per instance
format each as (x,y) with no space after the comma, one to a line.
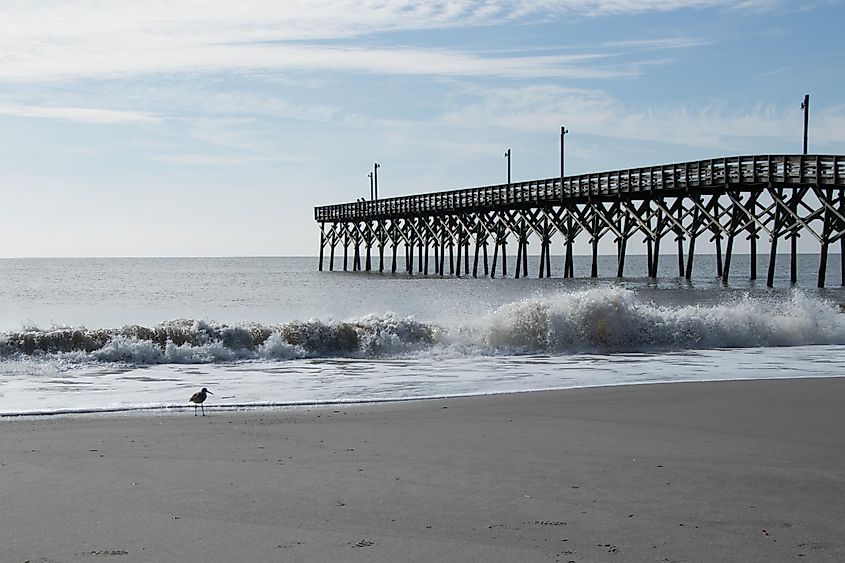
(605,320)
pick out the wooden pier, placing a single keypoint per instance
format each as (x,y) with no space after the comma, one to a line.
(775,196)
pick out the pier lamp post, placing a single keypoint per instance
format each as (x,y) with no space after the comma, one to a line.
(805,105)
(376,166)
(563,132)
(372,188)
(508,156)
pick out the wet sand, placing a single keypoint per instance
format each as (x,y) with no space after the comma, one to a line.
(729,471)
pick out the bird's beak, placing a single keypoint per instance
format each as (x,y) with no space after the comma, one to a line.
(209,392)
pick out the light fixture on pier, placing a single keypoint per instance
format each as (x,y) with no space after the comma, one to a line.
(508,156)
(563,132)
(805,105)
(376,166)
(372,191)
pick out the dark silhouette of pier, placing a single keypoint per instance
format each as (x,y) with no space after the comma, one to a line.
(773,196)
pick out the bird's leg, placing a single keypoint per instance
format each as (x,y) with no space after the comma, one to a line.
(195,410)
(203,409)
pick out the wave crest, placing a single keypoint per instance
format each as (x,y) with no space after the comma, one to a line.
(597,320)
(615,320)
(200,341)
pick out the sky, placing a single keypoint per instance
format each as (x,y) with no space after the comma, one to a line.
(197,128)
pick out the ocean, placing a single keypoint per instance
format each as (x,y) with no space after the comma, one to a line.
(130,335)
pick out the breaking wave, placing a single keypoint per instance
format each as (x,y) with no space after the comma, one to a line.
(603,320)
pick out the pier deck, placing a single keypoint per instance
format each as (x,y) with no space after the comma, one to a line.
(781,196)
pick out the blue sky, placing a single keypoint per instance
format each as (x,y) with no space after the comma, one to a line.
(188,128)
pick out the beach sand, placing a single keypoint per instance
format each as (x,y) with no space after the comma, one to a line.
(730,471)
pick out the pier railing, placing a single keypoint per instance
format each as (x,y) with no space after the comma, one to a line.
(699,175)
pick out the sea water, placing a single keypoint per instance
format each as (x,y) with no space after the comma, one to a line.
(130,334)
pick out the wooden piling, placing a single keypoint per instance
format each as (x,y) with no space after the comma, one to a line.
(443,255)
(466,254)
(657,236)
(475,258)
(504,257)
(594,269)
(828,226)
(487,271)
(840,227)
(680,239)
(322,243)
(731,235)
(460,253)
(345,249)
(495,256)
(437,270)
(356,260)
(542,268)
(524,253)
(793,239)
(753,229)
(621,244)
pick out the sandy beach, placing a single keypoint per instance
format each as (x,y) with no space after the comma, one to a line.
(731,471)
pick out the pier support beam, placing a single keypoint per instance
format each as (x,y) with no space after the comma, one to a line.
(694,229)
(793,240)
(776,230)
(424,250)
(679,233)
(475,256)
(394,243)
(345,249)
(322,243)
(622,241)
(841,228)
(356,261)
(487,270)
(466,253)
(717,234)
(828,227)
(368,240)
(594,268)
(442,253)
(753,235)
(731,235)
(460,245)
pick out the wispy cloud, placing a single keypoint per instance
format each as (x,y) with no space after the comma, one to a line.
(84,38)
(201,159)
(679,42)
(69,63)
(536,109)
(80,114)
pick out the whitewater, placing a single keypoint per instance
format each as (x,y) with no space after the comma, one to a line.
(130,335)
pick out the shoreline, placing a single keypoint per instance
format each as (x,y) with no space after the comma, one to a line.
(727,471)
(176,410)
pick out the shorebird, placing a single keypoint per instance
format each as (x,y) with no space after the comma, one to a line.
(198,398)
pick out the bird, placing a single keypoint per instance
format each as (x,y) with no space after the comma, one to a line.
(198,398)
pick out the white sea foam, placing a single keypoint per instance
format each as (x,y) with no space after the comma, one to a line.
(604,319)
(615,320)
